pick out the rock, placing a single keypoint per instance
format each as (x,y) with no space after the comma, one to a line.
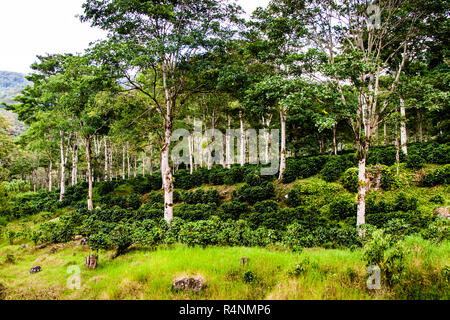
(77,238)
(84,241)
(194,284)
(443,212)
(53,250)
(25,246)
(91,261)
(42,246)
(35,270)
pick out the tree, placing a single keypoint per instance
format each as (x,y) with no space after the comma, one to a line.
(160,40)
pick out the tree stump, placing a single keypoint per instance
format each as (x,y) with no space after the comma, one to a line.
(91,261)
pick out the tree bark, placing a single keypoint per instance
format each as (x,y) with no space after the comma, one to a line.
(242,144)
(283,116)
(420,124)
(50,169)
(335,139)
(106,160)
(166,172)
(63,166)
(403,133)
(89,173)
(123,163)
(228,143)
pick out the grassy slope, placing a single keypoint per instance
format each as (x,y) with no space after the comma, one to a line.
(148,274)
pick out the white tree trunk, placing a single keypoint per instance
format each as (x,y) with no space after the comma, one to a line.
(151,159)
(63,167)
(89,174)
(362,190)
(123,163)
(166,172)
(403,133)
(335,139)
(75,163)
(283,115)
(128,162)
(106,161)
(191,154)
(242,144)
(228,144)
(50,169)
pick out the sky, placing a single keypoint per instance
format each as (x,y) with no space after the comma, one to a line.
(38,27)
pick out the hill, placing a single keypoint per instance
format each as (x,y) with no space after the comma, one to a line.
(11,83)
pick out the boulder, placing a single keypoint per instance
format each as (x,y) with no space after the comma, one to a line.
(77,238)
(186,283)
(35,270)
(443,212)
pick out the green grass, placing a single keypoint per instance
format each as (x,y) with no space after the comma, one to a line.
(149,274)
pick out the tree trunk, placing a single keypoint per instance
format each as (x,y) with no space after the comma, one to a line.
(128,162)
(63,166)
(111,163)
(89,173)
(75,162)
(385,133)
(420,124)
(242,144)
(50,169)
(166,172)
(335,139)
(191,154)
(362,187)
(123,163)
(144,155)
(283,115)
(135,166)
(403,133)
(106,161)
(228,143)
(151,159)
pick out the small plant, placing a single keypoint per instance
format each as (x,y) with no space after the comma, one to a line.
(249,276)
(10,258)
(415,162)
(437,199)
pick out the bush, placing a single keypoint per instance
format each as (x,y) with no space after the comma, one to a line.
(437,231)
(201,196)
(252,195)
(191,212)
(350,180)
(342,209)
(134,201)
(384,155)
(437,199)
(234,210)
(384,251)
(202,233)
(415,162)
(334,168)
(292,199)
(235,175)
(440,154)
(437,177)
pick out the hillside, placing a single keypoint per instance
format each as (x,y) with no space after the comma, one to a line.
(11,83)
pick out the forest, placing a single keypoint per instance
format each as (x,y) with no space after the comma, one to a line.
(197,153)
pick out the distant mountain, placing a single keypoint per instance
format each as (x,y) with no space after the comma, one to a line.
(11,83)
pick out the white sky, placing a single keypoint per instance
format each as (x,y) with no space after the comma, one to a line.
(37,27)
